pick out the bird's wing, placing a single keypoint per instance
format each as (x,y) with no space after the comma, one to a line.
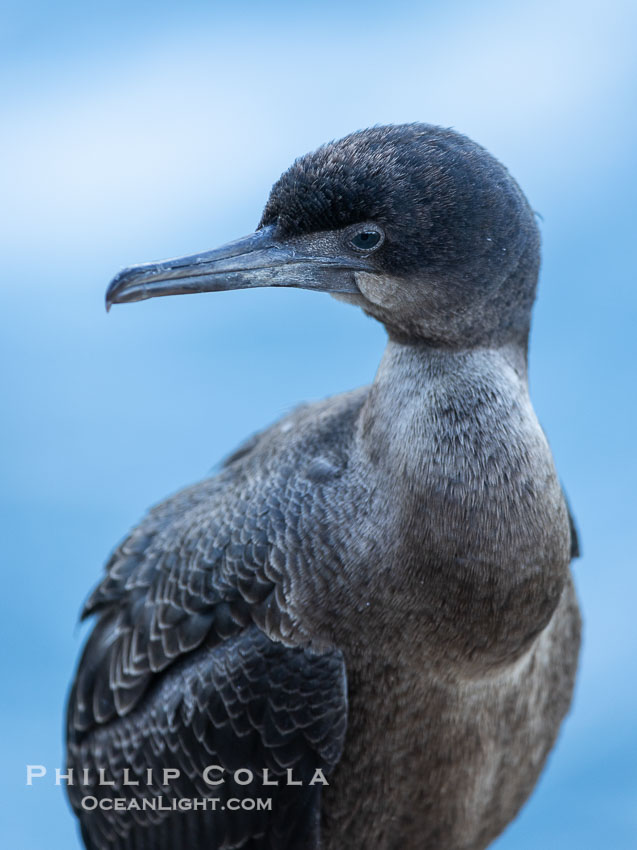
(192,662)
(250,705)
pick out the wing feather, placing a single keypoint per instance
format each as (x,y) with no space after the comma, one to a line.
(249,703)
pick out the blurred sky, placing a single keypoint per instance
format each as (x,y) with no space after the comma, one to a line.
(135,131)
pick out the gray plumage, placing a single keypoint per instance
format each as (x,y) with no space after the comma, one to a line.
(378,585)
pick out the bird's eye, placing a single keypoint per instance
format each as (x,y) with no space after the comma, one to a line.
(366,240)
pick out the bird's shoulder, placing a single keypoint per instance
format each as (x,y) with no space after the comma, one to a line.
(307,432)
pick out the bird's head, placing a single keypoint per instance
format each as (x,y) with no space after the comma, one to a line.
(418,225)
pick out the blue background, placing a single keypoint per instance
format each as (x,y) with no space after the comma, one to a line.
(138,131)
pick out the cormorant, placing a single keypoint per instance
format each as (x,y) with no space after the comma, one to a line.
(373,598)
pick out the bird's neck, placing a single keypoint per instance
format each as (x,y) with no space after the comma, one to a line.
(436,411)
(466,470)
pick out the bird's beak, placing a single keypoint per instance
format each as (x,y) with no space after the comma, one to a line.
(259,259)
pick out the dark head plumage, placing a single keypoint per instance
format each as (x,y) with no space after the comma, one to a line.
(452,215)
